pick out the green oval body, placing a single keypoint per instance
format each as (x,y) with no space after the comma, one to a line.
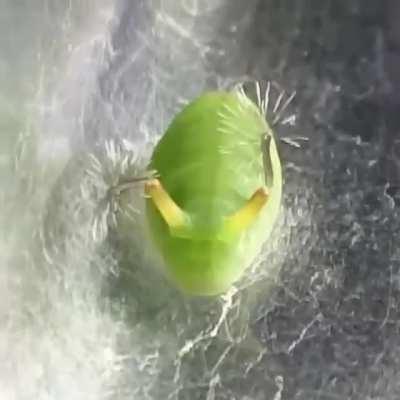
(210,161)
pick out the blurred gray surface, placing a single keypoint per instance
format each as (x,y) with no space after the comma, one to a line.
(84,315)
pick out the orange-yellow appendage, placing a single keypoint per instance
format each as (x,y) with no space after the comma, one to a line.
(171,212)
(242,219)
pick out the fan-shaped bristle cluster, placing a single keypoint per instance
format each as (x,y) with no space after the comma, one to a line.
(270,98)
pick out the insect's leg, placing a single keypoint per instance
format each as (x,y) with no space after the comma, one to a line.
(173,215)
(294,141)
(126,185)
(114,192)
(267,162)
(242,219)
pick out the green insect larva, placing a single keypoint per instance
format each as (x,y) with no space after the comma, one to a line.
(218,193)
